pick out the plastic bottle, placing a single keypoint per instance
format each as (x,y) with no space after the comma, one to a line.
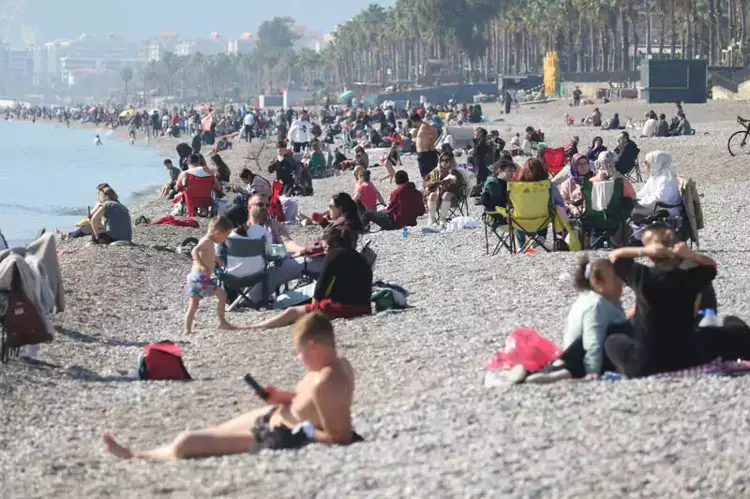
(710,319)
(404,233)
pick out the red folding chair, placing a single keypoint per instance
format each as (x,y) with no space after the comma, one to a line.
(554,159)
(198,193)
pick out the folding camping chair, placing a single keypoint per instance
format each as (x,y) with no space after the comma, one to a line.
(460,204)
(554,160)
(497,222)
(247,248)
(602,225)
(632,172)
(530,211)
(199,195)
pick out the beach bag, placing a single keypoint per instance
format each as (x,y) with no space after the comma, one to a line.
(527,347)
(21,323)
(162,361)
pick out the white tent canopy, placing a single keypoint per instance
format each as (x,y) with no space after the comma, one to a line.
(3,242)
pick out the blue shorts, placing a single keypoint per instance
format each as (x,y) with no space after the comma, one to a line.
(200,284)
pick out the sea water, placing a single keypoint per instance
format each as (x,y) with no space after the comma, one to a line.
(49,174)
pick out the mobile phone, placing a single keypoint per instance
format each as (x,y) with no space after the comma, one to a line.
(262,393)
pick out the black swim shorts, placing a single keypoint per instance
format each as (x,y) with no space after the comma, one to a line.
(278,438)
(427,161)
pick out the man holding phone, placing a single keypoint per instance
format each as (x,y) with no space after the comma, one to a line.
(319,410)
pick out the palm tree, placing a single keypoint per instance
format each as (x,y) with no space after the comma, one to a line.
(126,74)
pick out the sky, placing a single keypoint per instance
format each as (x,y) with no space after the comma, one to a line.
(137,20)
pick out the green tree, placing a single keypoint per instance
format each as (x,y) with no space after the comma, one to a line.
(126,74)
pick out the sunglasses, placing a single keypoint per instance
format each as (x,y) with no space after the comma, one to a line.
(262,205)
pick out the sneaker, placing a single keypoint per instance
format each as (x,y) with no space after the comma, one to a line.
(517,374)
(550,375)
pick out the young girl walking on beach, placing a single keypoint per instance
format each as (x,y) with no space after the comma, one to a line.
(200,284)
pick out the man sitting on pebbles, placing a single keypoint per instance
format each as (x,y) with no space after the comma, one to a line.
(319,410)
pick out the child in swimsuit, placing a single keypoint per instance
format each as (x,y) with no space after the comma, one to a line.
(200,284)
(393,159)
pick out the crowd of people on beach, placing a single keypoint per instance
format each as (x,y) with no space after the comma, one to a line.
(248,256)
(653,125)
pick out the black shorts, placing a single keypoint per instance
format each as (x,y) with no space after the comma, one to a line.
(427,161)
(278,438)
(282,437)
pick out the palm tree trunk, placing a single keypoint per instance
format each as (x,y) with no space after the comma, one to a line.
(673,24)
(719,39)
(624,42)
(743,22)
(602,49)
(662,34)
(592,46)
(581,41)
(712,27)
(633,23)
(647,5)
(688,8)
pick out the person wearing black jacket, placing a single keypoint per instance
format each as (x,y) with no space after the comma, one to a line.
(343,289)
(197,142)
(628,154)
(285,167)
(484,155)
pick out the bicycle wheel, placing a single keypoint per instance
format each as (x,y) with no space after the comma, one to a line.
(738,143)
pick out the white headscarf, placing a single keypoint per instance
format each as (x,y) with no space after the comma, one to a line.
(661,162)
(662,185)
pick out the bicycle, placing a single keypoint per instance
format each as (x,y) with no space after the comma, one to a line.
(741,143)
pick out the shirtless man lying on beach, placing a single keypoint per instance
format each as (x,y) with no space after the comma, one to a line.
(319,410)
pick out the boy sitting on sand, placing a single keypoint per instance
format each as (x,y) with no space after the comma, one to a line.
(199,281)
(319,410)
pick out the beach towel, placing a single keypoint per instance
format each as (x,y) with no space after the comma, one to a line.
(717,367)
(176,222)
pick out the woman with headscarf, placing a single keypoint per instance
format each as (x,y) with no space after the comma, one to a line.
(662,185)
(571,190)
(597,146)
(606,169)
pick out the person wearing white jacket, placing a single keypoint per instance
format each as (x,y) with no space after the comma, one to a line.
(300,133)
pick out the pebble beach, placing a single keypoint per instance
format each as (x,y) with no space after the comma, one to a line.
(431,427)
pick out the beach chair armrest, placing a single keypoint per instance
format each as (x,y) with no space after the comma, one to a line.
(498,211)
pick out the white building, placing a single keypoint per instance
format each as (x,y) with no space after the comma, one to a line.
(153,50)
(110,54)
(236,47)
(4,70)
(203,46)
(21,68)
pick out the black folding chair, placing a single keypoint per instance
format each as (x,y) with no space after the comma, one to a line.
(247,248)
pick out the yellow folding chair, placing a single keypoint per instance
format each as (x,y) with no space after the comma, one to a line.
(530,211)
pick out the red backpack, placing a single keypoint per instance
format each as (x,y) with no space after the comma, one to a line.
(162,361)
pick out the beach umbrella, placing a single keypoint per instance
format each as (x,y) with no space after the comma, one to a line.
(127,112)
(93,108)
(349,94)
